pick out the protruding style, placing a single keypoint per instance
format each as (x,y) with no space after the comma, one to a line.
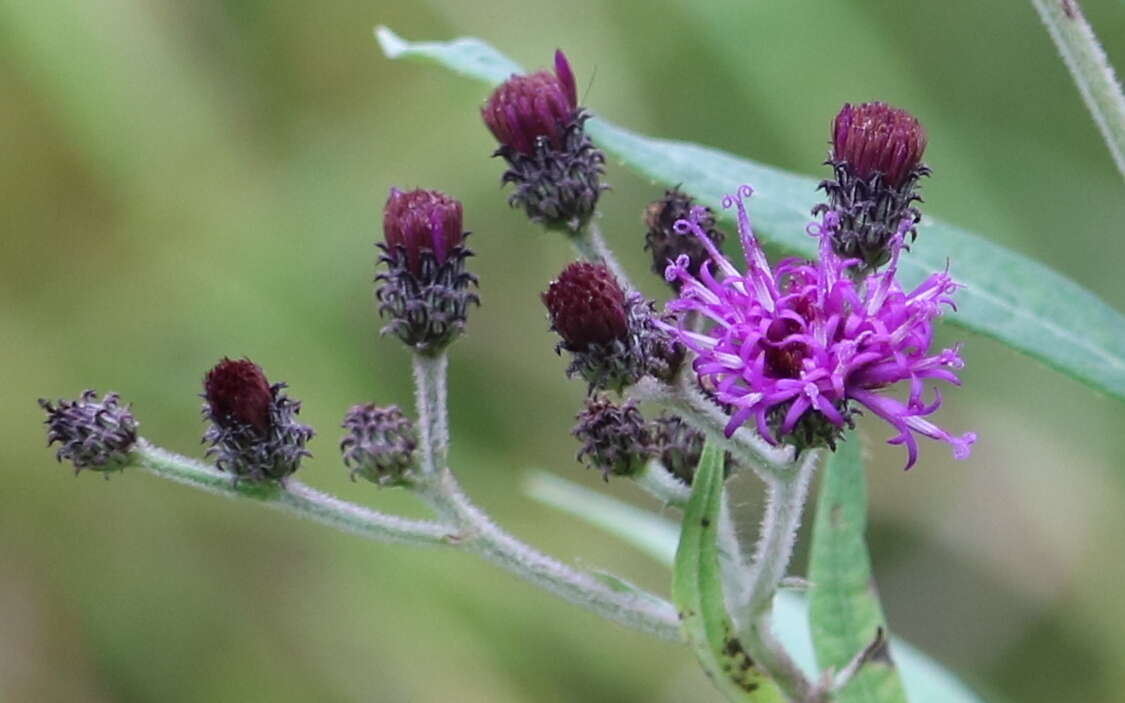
(555,168)
(253,430)
(92,433)
(379,444)
(426,291)
(876,160)
(610,334)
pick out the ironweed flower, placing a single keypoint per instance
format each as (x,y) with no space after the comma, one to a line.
(611,334)
(876,161)
(793,349)
(554,166)
(92,434)
(425,290)
(379,444)
(253,429)
(666,244)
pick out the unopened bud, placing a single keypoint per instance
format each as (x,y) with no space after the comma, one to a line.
(253,429)
(425,291)
(615,439)
(379,444)
(92,434)
(667,245)
(553,165)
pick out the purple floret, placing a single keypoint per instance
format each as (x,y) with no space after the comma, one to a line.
(808,338)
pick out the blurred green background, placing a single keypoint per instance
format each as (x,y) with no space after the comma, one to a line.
(187,180)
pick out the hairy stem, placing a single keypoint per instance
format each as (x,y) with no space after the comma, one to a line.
(659,482)
(1087,62)
(479,534)
(296,498)
(682,398)
(590,245)
(785,501)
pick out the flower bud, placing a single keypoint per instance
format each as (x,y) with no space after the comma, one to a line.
(615,439)
(425,290)
(876,160)
(253,430)
(679,447)
(610,334)
(554,166)
(379,444)
(92,434)
(667,245)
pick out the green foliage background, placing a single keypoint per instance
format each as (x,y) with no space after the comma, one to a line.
(184,181)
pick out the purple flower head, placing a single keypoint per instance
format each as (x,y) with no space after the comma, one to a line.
(802,342)
(422,220)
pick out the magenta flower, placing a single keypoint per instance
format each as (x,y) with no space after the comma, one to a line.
(806,341)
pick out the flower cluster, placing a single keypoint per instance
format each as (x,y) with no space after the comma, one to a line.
(253,429)
(793,349)
(92,434)
(555,168)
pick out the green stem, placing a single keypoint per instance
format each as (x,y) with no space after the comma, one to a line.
(296,498)
(659,482)
(1087,62)
(591,246)
(477,533)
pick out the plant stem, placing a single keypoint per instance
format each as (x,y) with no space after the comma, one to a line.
(659,482)
(479,534)
(1091,70)
(682,398)
(590,245)
(785,500)
(295,498)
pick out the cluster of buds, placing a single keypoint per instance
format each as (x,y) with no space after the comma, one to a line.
(425,291)
(253,431)
(92,434)
(611,335)
(555,168)
(617,440)
(379,444)
(666,244)
(876,161)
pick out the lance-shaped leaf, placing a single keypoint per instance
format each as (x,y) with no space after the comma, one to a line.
(1007,296)
(844,606)
(698,592)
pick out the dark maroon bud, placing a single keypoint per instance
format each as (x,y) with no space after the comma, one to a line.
(238,392)
(525,109)
(425,291)
(92,434)
(876,138)
(612,335)
(666,244)
(876,160)
(422,221)
(587,306)
(555,168)
(253,430)
(379,444)
(615,439)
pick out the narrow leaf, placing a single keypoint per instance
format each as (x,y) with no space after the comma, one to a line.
(843,604)
(698,593)
(926,681)
(1007,296)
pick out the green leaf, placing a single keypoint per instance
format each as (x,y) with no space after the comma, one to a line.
(698,592)
(1007,296)
(843,603)
(926,681)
